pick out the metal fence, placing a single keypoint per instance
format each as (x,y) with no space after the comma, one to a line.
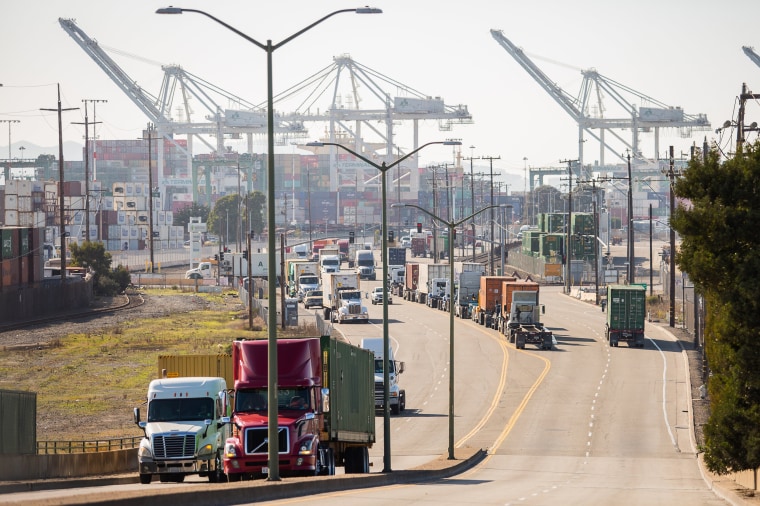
(102,445)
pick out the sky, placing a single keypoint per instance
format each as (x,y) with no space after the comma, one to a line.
(684,54)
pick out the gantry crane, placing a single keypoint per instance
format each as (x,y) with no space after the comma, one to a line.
(250,118)
(750,52)
(655,115)
(347,114)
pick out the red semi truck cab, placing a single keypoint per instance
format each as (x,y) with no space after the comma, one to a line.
(309,408)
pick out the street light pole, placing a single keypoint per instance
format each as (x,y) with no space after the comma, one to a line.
(383,168)
(273,435)
(452,226)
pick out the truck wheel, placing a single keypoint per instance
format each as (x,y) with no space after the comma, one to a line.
(395,409)
(145,478)
(217,474)
(234,477)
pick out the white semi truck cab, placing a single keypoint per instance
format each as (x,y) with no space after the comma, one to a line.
(396,394)
(185,429)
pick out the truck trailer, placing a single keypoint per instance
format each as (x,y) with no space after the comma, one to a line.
(520,301)
(411,278)
(325,408)
(432,283)
(626,312)
(342,298)
(489,300)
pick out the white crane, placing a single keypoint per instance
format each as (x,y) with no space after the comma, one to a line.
(635,118)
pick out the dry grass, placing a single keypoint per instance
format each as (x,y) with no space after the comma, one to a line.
(86,384)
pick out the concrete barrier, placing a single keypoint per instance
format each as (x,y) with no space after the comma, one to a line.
(67,465)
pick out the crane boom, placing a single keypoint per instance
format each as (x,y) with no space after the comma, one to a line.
(595,86)
(143,100)
(750,52)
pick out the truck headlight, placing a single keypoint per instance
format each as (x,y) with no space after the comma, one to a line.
(230,450)
(144,452)
(305,448)
(205,450)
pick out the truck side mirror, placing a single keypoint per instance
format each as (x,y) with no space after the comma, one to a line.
(136,416)
(543,309)
(401,366)
(325,400)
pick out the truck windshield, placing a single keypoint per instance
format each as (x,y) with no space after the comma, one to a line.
(330,261)
(379,366)
(308,280)
(287,398)
(350,295)
(180,410)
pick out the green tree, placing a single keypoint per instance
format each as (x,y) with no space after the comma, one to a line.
(94,256)
(230,208)
(182,217)
(719,248)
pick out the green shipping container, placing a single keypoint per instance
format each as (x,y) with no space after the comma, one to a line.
(349,372)
(583,223)
(626,307)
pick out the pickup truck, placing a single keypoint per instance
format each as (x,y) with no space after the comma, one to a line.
(313,298)
(377,296)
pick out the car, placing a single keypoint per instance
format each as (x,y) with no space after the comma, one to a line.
(312,298)
(377,296)
(193,275)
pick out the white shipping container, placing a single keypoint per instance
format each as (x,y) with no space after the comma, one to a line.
(11,201)
(11,218)
(51,189)
(134,233)
(107,202)
(169,217)
(25,219)
(25,204)
(129,189)
(121,218)
(159,217)
(139,189)
(125,232)
(163,232)
(24,188)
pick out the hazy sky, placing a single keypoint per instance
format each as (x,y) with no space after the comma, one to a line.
(686,54)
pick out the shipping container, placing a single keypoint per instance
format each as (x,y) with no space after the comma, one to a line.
(626,313)
(490,291)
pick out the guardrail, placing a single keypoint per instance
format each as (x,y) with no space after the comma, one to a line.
(102,445)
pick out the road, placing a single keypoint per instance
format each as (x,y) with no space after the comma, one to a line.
(581,424)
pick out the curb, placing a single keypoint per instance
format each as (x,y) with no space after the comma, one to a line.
(242,492)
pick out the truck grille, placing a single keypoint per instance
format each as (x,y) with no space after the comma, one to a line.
(256,440)
(379,393)
(175,446)
(354,309)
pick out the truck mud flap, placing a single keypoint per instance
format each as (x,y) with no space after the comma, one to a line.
(520,342)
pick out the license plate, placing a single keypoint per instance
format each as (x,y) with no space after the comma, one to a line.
(264,470)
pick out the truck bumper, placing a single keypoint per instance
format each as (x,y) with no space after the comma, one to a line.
(173,466)
(353,318)
(258,464)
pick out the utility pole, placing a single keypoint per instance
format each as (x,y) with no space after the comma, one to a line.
(567,248)
(630,219)
(150,129)
(86,124)
(671,176)
(472,198)
(61,207)
(490,249)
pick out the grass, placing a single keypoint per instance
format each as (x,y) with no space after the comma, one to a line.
(86,384)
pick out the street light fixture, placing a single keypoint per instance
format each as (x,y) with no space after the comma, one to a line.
(269,47)
(452,226)
(383,168)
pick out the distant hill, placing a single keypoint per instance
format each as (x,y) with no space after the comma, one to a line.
(72,151)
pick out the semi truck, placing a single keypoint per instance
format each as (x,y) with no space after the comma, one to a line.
(520,301)
(396,394)
(342,299)
(432,283)
(489,300)
(626,312)
(329,258)
(411,278)
(302,277)
(185,429)
(365,264)
(325,408)
(236,265)
(396,257)
(467,289)
(419,246)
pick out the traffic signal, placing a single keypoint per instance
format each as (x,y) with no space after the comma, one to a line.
(245,254)
(221,255)
(390,235)
(351,237)
(419,227)
(216,257)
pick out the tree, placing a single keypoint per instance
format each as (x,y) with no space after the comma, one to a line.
(719,248)
(94,256)
(228,210)
(182,217)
